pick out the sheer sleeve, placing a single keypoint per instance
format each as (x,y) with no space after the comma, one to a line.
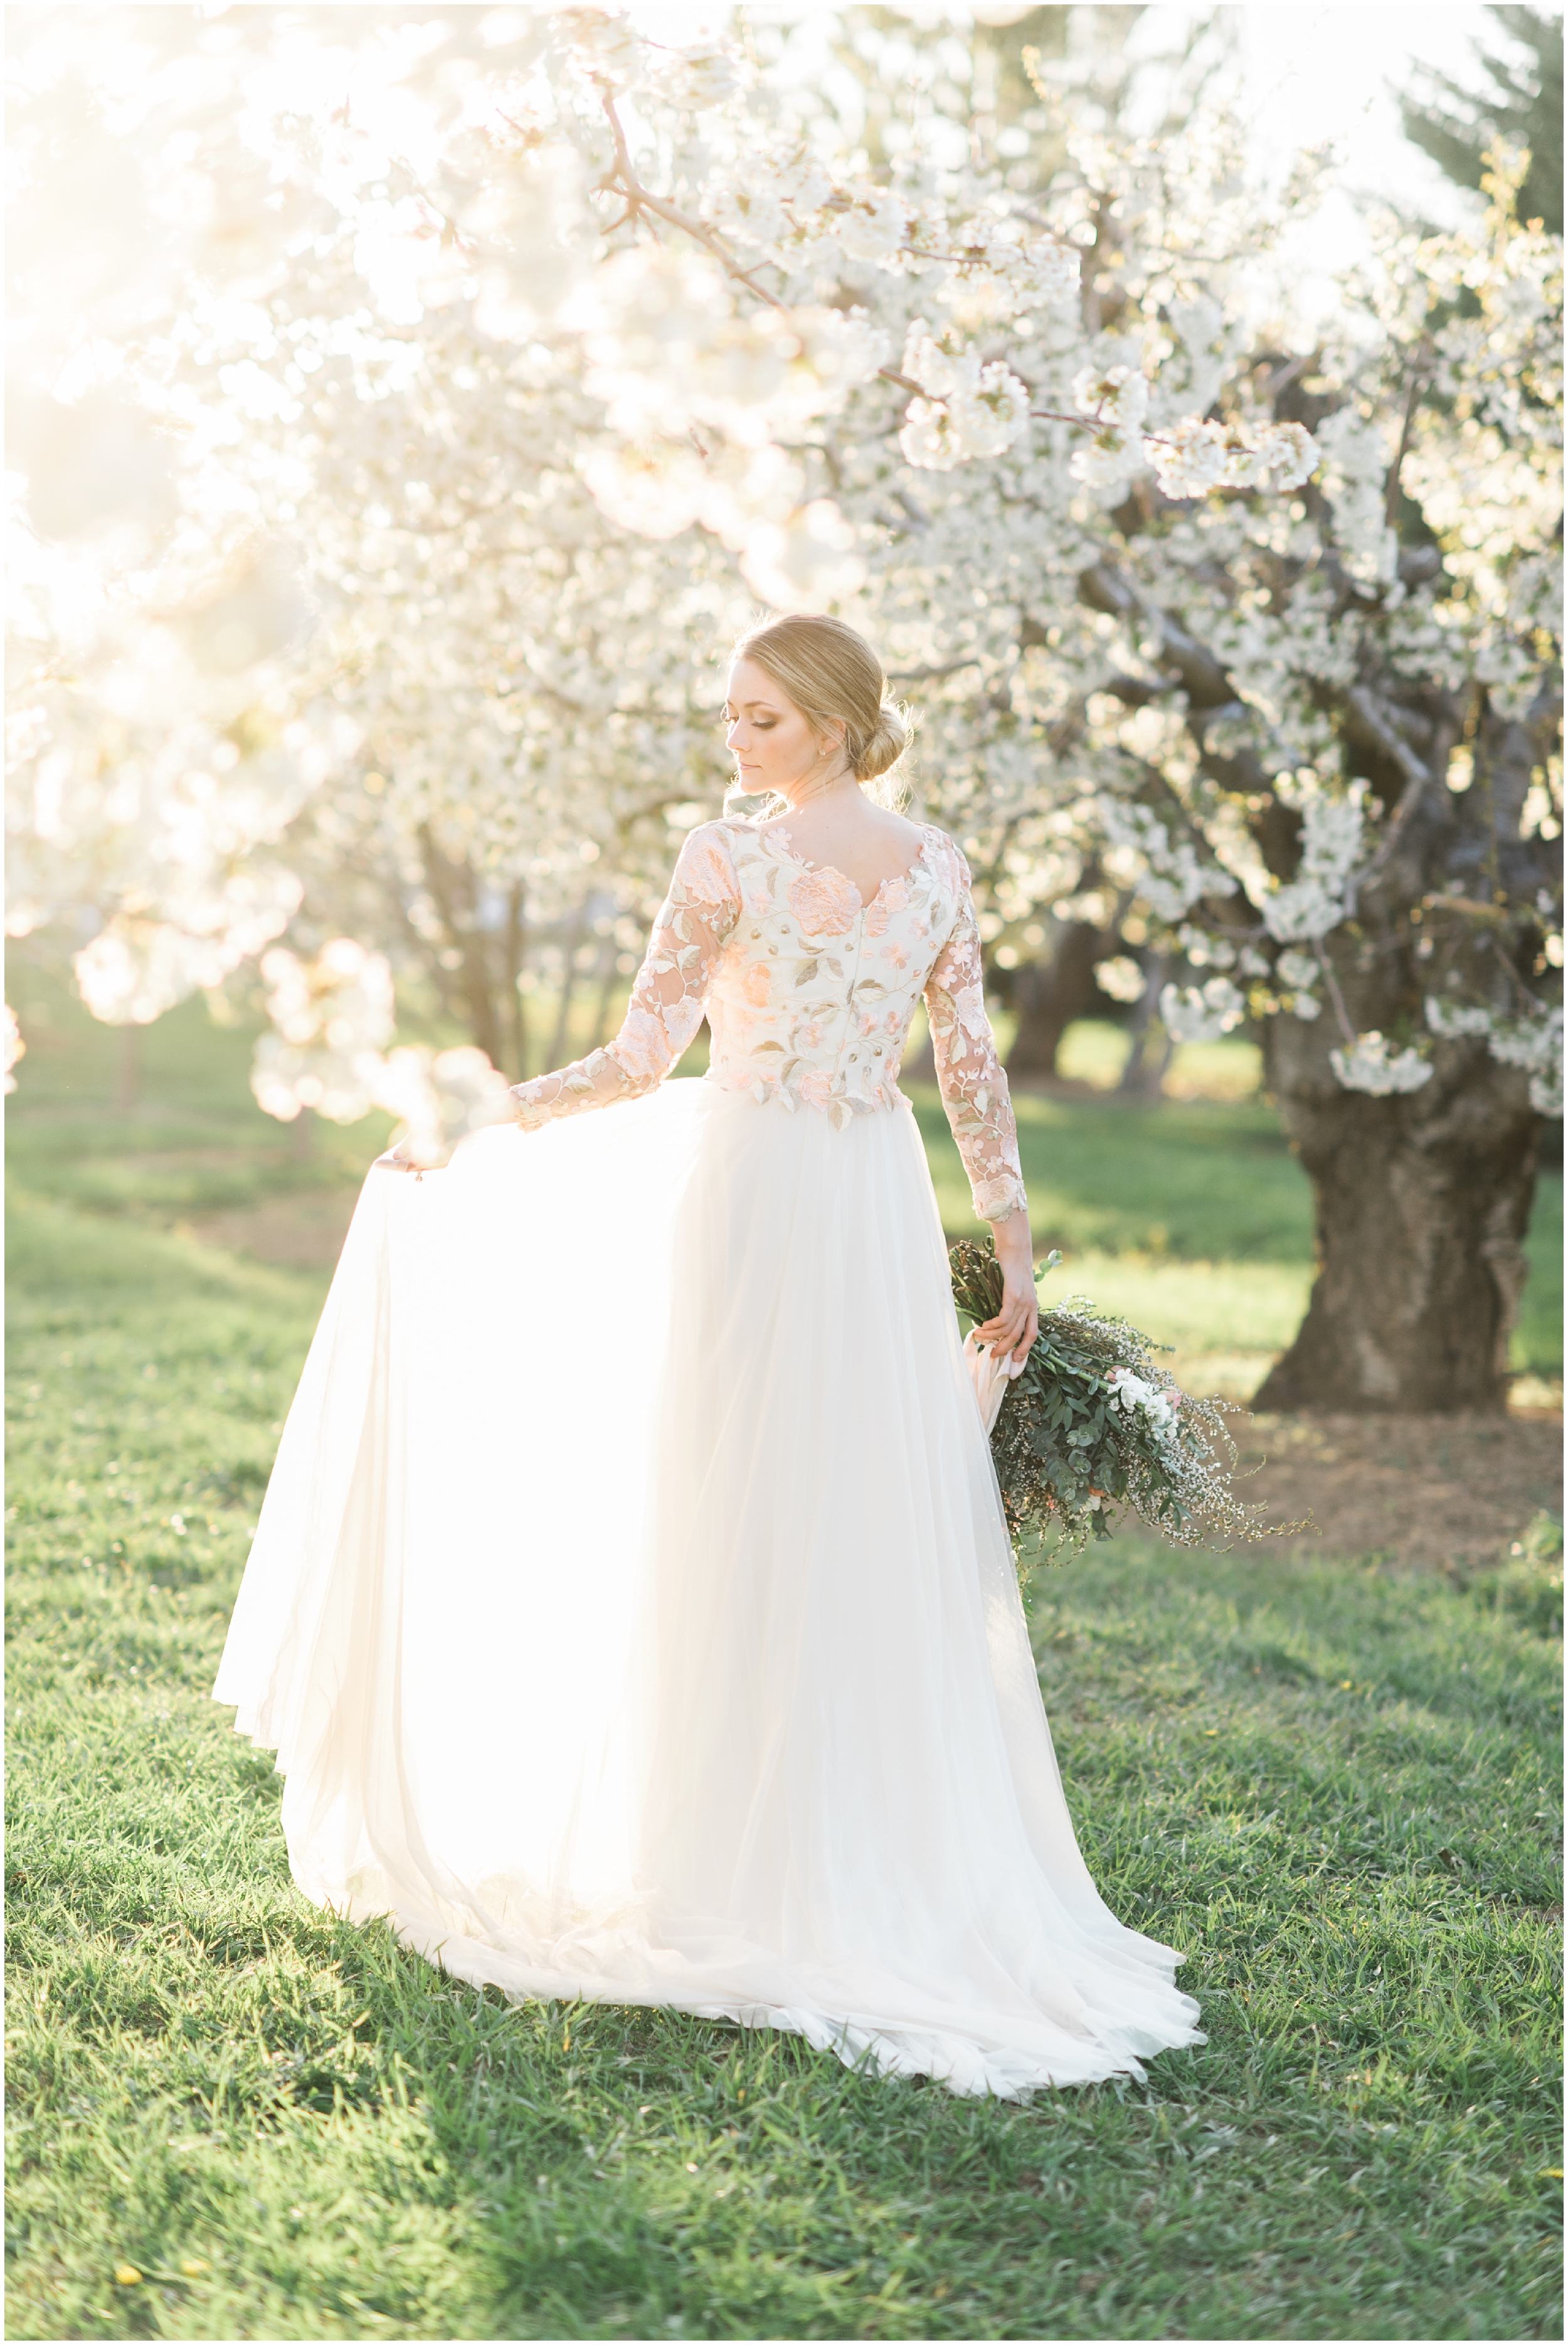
(969,1072)
(667,999)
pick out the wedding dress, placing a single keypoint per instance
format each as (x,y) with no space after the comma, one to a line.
(631,1609)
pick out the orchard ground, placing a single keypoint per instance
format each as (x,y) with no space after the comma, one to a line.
(1325,1770)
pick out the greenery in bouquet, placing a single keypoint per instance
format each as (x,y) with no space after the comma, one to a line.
(1092,1425)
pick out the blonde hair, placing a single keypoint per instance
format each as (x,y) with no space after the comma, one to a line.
(834,677)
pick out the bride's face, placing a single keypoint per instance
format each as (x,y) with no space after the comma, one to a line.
(773,744)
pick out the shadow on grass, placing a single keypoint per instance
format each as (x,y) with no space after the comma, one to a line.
(236,2116)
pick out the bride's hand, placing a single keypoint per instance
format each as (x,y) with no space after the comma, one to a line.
(1018,1323)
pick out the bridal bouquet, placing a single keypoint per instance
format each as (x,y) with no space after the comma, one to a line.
(1090,1424)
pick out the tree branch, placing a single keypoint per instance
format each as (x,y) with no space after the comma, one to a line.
(1420,371)
(640,199)
(1418,781)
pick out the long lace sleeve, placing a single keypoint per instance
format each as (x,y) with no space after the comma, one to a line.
(667,999)
(969,1072)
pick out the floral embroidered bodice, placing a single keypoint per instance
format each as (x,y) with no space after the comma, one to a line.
(809,991)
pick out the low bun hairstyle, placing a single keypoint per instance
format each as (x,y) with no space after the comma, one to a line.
(833,677)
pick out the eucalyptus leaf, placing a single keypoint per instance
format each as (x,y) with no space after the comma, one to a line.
(1093,1424)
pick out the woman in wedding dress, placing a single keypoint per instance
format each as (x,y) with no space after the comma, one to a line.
(631,1609)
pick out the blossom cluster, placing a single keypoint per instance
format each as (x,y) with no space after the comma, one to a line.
(1130,1391)
(1371,1063)
(1202,1013)
(1533,1041)
(394,483)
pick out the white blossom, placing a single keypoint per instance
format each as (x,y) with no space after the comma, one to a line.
(698,77)
(1195,457)
(330,1017)
(1117,397)
(1534,1042)
(1192,1013)
(1121,978)
(1452,1019)
(1190,459)
(1314,902)
(973,409)
(15,1048)
(1373,1065)
(1356,455)
(805,562)
(440,1097)
(1166,872)
(1297,969)
(1108,462)
(1130,1391)
(544,451)
(872,226)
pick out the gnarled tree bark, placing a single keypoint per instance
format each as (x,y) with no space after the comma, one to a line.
(1421,1203)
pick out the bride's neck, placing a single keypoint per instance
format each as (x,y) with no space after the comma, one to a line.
(797,796)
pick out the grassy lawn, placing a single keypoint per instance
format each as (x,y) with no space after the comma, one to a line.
(233,2116)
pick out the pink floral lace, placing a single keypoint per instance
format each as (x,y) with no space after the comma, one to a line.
(809,993)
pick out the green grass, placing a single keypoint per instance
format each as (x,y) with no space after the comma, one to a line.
(1334,1787)
(1192,1217)
(1195,1220)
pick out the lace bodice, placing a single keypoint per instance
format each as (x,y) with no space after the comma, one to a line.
(809,992)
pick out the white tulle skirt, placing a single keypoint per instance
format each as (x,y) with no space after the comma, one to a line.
(633,1617)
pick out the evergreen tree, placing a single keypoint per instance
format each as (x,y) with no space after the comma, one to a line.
(1456,125)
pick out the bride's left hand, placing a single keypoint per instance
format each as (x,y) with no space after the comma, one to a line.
(1018,1323)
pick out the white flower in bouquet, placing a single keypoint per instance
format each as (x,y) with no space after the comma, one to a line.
(1129,1391)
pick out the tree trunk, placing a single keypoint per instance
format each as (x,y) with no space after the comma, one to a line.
(561,1045)
(1049,995)
(127,1078)
(1421,1201)
(1148,1054)
(514,944)
(454,888)
(612,989)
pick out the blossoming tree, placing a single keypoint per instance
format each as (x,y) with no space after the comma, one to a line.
(546,352)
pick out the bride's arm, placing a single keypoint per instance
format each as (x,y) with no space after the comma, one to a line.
(667,999)
(975,1093)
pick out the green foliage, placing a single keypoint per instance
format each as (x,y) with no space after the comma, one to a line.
(1456,125)
(1071,1442)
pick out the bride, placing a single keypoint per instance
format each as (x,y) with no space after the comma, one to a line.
(631,1609)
